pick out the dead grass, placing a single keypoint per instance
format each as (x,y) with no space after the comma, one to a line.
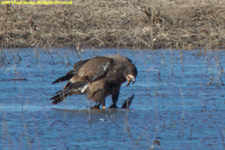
(181,24)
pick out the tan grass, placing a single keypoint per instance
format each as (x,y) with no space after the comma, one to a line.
(181,24)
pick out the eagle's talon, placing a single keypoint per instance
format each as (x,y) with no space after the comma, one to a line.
(95,107)
(113,106)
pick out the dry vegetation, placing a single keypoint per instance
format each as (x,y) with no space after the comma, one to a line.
(183,24)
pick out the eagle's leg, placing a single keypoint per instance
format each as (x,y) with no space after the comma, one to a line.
(115,97)
(103,104)
(96,106)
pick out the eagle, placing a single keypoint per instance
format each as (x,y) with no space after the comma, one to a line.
(98,78)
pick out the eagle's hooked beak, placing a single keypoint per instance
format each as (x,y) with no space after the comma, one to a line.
(130,78)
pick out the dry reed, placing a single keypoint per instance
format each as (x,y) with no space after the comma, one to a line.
(181,24)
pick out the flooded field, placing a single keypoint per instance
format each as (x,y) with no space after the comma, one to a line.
(179,103)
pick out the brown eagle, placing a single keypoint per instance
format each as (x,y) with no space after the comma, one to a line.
(97,77)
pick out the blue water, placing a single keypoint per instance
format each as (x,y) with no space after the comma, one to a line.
(179,102)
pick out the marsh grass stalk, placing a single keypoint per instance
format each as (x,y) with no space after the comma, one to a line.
(35,128)
(205,106)
(16,57)
(37,55)
(147,75)
(89,114)
(149,144)
(3,58)
(60,54)
(147,137)
(171,62)
(67,59)
(183,111)
(26,104)
(77,49)
(127,129)
(51,125)
(109,116)
(16,74)
(182,60)
(219,70)
(26,131)
(140,137)
(50,54)
(222,134)
(6,137)
(157,116)
(41,72)
(191,130)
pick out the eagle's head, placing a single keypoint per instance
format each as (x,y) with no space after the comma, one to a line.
(130,74)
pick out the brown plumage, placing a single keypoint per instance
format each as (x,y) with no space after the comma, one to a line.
(97,77)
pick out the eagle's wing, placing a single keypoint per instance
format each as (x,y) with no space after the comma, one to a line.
(94,69)
(71,73)
(84,73)
(90,69)
(68,76)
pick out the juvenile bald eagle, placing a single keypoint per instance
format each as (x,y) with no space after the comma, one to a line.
(97,77)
